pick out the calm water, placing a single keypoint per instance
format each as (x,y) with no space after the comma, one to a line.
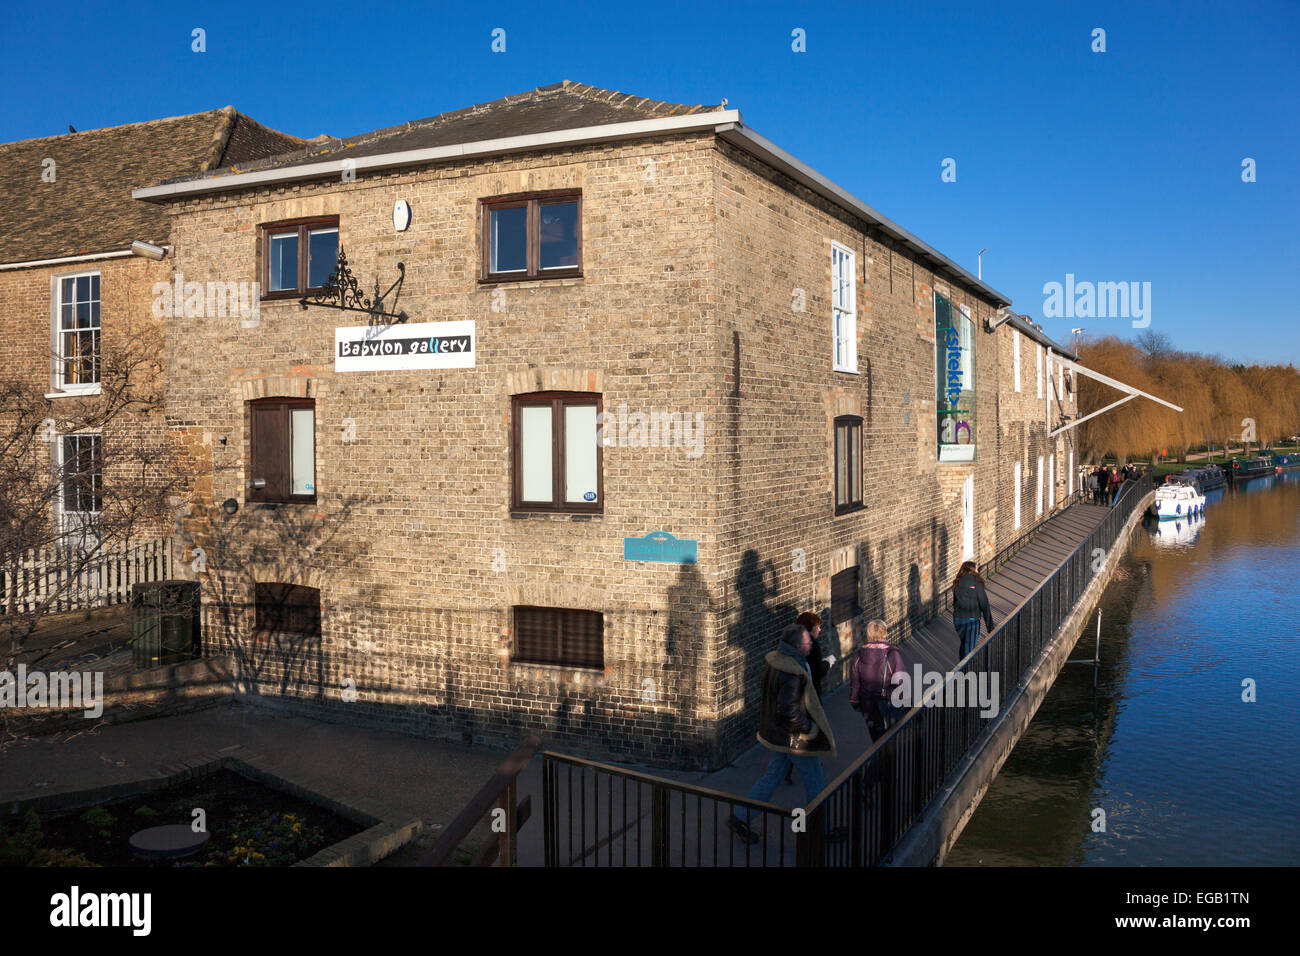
(1187,773)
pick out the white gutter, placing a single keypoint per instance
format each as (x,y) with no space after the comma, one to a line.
(92,257)
(610,132)
(66,259)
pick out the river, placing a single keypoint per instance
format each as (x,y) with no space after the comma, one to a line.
(1158,736)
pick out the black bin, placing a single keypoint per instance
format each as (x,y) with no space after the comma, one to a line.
(164,623)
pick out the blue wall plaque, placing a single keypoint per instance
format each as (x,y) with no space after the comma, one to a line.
(661,546)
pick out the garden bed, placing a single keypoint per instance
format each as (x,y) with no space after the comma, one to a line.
(251,824)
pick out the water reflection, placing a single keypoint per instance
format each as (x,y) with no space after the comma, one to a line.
(1185,770)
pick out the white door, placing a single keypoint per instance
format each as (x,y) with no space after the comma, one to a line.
(968,519)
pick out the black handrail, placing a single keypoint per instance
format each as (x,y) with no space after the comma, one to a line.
(859,818)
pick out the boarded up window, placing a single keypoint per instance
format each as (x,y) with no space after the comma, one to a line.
(844,595)
(288,607)
(550,635)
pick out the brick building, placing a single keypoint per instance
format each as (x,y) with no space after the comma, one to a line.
(659,387)
(83,346)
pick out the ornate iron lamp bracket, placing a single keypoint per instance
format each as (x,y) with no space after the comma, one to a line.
(342,291)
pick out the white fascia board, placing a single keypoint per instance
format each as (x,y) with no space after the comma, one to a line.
(763,148)
(637,129)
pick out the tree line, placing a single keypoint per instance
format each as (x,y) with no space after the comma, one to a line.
(1225,405)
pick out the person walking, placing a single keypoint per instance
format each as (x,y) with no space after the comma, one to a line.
(871,681)
(792,725)
(811,622)
(1115,482)
(969,603)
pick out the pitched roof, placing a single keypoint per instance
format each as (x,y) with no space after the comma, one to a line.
(88,207)
(560,106)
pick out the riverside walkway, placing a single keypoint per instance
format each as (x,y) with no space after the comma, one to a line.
(599,814)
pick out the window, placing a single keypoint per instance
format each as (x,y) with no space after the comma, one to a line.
(81,484)
(1040,370)
(954,334)
(556,452)
(282,450)
(76,332)
(552,635)
(298,256)
(844,596)
(1051,480)
(1015,478)
(1060,383)
(532,237)
(1069,471)
(848,463)
(1015,355)
(844,307)
(288,608)
(1039,510)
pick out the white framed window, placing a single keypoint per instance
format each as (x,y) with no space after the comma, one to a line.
(1015,356)
(1039,511)
(79,467)
(1051,479)
(1015,494)
(844,315)
(75,333)
(1040,369)
(1070,471)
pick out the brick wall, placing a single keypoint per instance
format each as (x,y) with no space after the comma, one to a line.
(690,269)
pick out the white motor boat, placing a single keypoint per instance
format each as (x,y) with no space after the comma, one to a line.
(1178,500)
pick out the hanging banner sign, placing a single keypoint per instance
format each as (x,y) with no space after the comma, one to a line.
(402,347)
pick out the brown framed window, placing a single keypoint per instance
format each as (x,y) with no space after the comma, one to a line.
(552,635)
(282,450)
(537,236)
(556,455)
(298,255)
(848,464)
(844,595)
(289,608)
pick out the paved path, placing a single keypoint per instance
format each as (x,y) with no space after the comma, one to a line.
(935,647)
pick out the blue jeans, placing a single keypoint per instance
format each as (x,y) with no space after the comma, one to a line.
(810,774)
(969,631)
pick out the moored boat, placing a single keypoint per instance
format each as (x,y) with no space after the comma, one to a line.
(1178,499)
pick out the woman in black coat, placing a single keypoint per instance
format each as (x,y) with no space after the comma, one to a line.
(969,603)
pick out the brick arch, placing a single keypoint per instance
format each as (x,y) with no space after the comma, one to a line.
(557,595)
(554,378)
(279,573)
(276,386)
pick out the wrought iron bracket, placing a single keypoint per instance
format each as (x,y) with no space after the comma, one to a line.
(342,291)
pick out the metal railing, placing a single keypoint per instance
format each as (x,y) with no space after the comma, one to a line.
(498,794)
(596,814)
(599,815)
(878,797)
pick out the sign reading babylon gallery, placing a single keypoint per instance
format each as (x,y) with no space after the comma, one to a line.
(954,335)
(401,347)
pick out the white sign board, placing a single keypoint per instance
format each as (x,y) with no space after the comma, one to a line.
(404,347)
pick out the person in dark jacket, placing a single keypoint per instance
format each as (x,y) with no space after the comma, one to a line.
(969,603)
(871,681)
(811,622)
(791,724)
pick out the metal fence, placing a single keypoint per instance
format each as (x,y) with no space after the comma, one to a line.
(600,815)
(72,579)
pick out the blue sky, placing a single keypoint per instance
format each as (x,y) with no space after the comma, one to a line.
(1115,166)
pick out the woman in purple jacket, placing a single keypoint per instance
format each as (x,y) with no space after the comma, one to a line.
(871,681)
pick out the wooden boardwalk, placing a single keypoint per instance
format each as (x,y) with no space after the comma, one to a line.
(936,646)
